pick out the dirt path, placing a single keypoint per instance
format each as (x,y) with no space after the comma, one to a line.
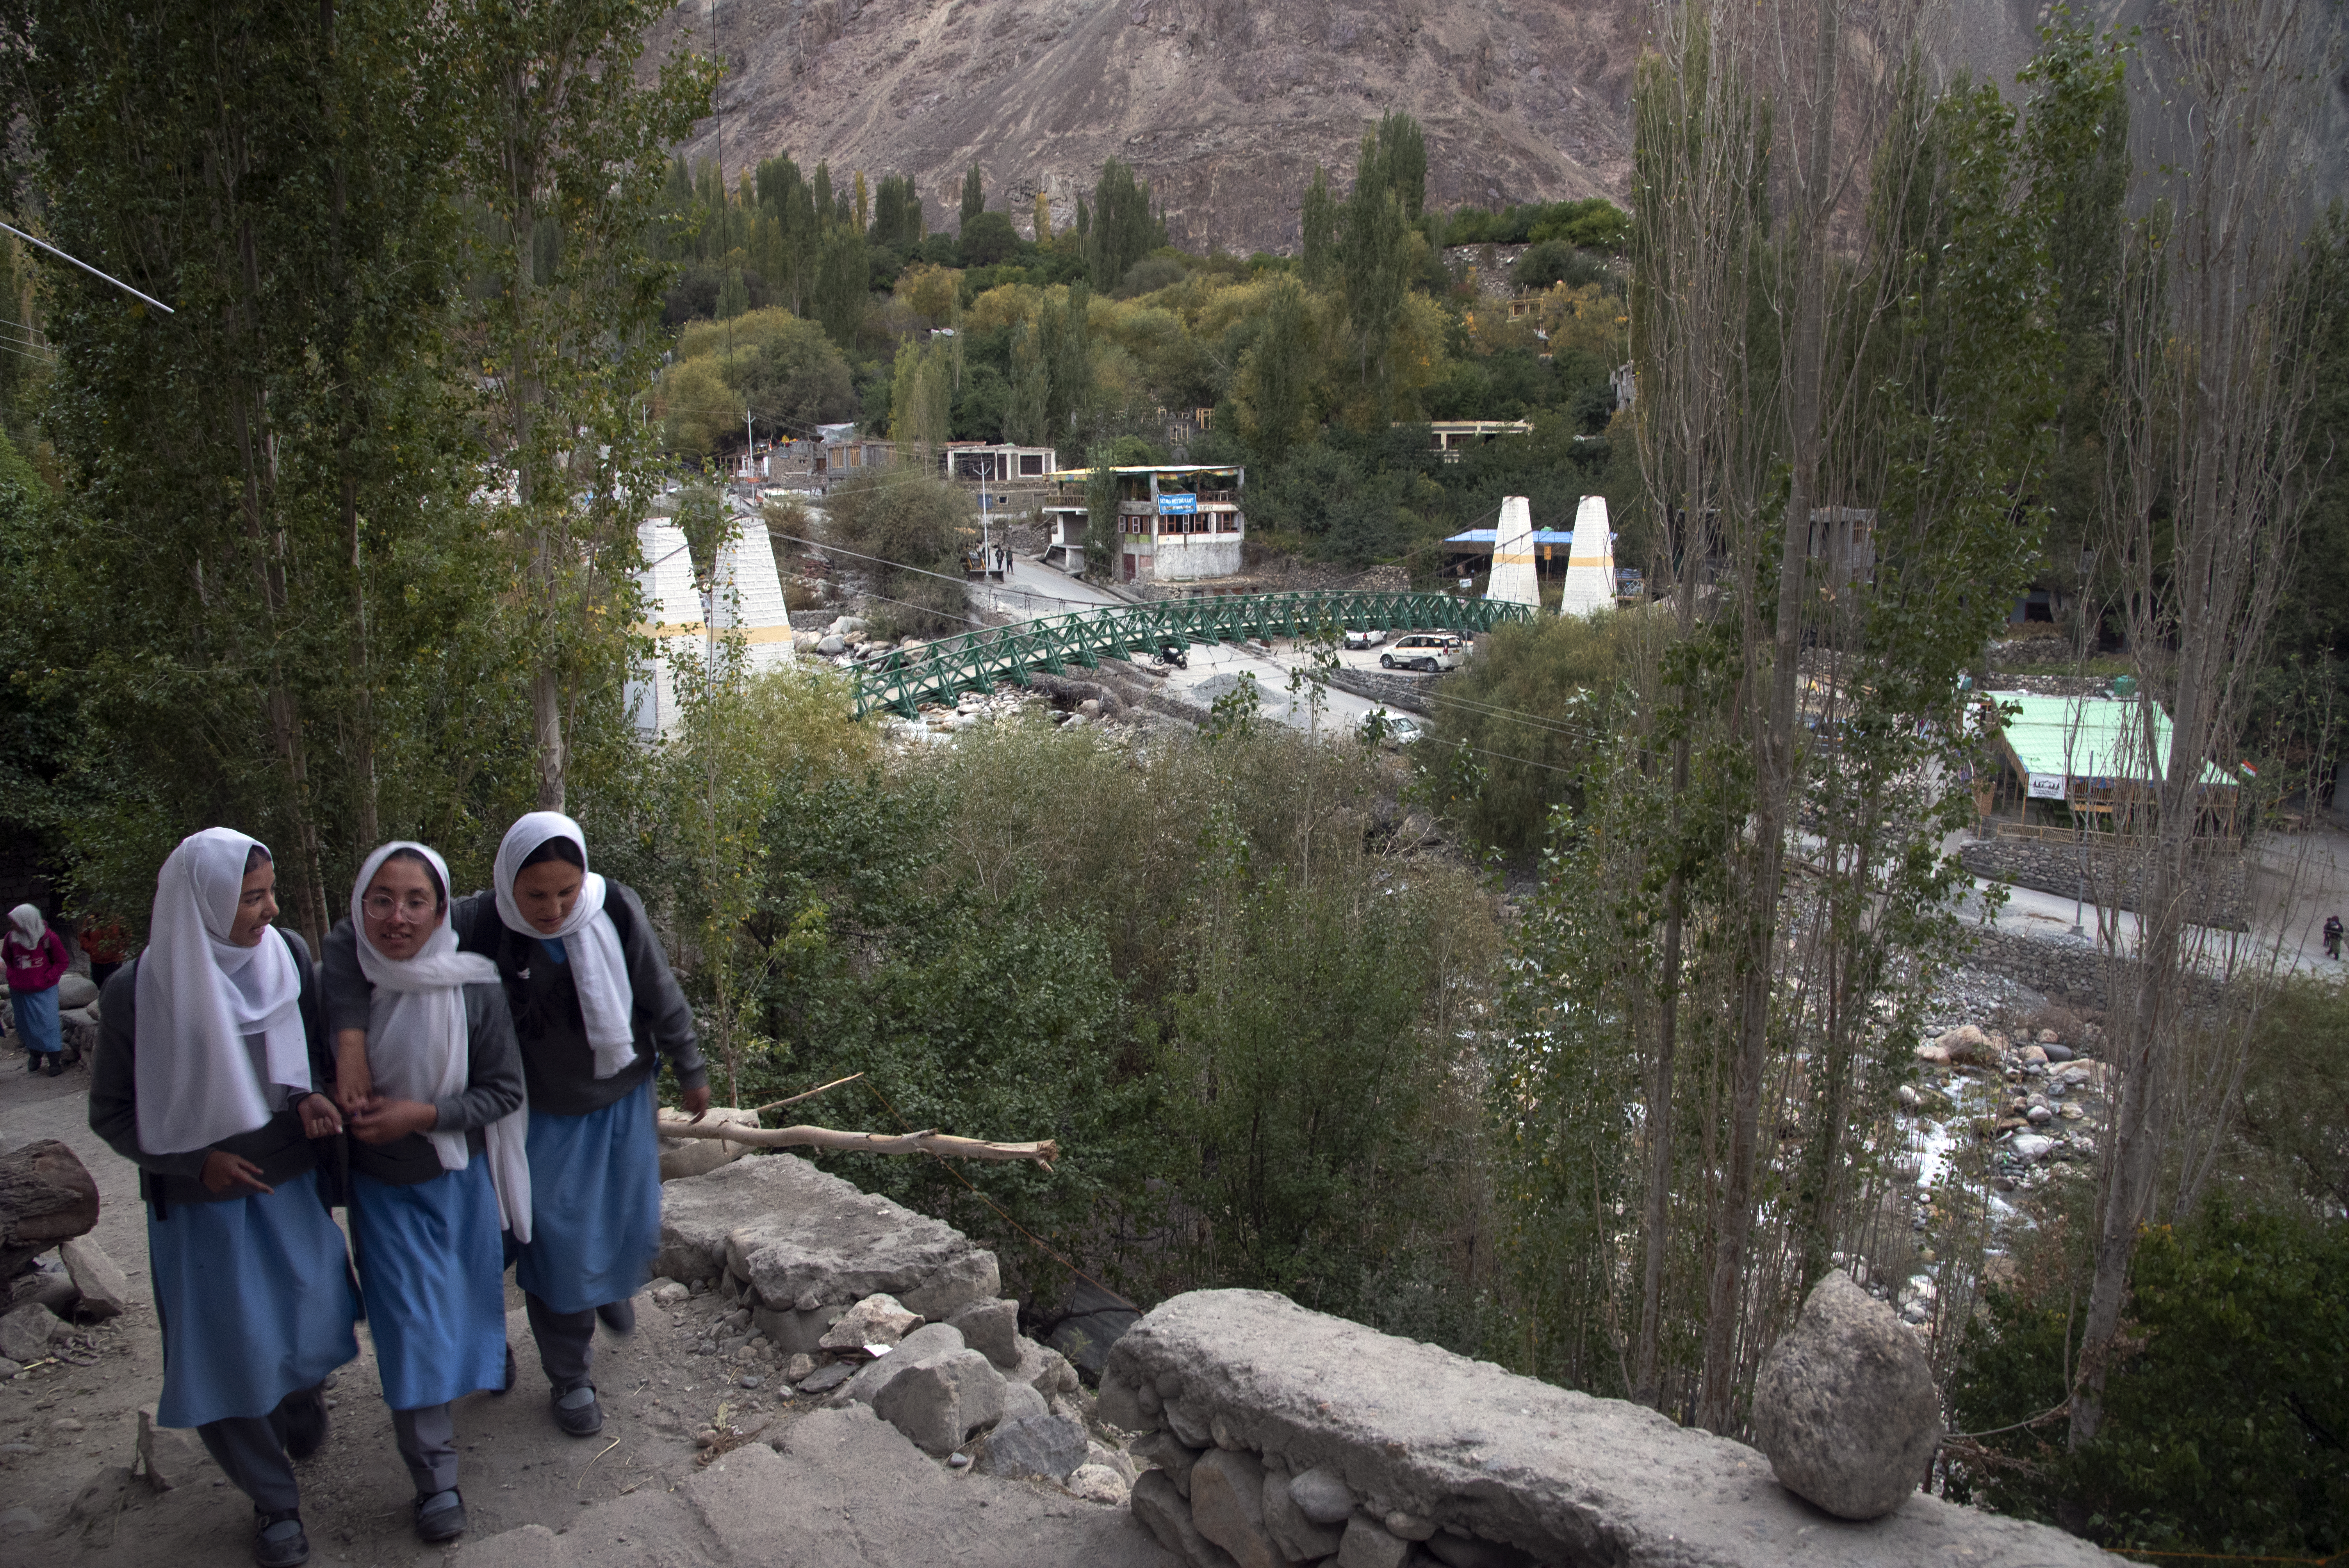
(68,1433)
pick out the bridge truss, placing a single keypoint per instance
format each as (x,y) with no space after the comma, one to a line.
(974,661)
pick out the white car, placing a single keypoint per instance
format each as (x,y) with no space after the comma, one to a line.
(1369,639)
(1429,651)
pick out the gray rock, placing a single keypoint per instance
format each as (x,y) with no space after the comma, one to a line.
(1369,1544)
(825,1378)
(1561,1476)
(939,1403)
(26,1332)
(1299,1539)
(810,1244)
(9,1368)
(991,1329)
(75,991)
(1166,1515)
(1845,1405)
(833,646)
(1170,1454)
(1228,1505)
(1099,1484)
(931,1342)
(1020,1401)
(105,1293)
(1047,1445)
(2031,1146)
(1322,1496)
(1185,1424)
(1046,1371)
(18,1521)
(52,1288)
(1454,1550)
(1409,1526)
(1117,1459)
(876,1320)
(168,1459)
(2056,1053)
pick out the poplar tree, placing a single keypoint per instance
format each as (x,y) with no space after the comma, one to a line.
(974,195)
(1124,229)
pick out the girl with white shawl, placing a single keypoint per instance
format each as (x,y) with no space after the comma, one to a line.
(210,1045)
(427,1075)
(594,1010)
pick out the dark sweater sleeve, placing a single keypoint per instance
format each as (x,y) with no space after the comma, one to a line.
(493,1084)
(349,998)
(114,1081)
(660,1001)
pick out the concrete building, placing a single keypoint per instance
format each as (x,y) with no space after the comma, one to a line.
(1454,439)
(997,463)
(1176,524)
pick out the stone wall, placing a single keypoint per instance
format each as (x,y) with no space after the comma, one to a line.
(1408,692)
(2072,969)
(1284,1436)
(2219,895)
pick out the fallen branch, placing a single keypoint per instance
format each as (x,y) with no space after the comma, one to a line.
(673,1124)
(811,1093)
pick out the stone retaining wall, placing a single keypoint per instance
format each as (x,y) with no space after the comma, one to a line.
(2073,969)
(2218,894)
(1395,691)
(1284,1436)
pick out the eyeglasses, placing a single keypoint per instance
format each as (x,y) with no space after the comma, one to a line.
(382,905)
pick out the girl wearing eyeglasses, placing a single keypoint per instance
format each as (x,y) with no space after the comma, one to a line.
(210,1047)
(427,1076)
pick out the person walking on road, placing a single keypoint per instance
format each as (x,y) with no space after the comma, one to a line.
(210,1045)
(2333,937)
(36,961)
(595,1006)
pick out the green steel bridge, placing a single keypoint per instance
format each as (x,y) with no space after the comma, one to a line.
(974,661)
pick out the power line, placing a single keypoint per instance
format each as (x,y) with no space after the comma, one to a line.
(93,271)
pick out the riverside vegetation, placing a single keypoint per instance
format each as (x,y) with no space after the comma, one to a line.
(1265,992)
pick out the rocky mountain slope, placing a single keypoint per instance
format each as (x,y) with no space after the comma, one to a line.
(1225,105)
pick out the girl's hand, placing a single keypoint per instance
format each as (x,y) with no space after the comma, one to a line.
(353,1085)
(226,1173)
(319,1117)
(385,1121)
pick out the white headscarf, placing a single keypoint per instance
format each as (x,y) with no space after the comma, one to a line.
(599,971)
(418,1044)
(30,926)
(219,1032)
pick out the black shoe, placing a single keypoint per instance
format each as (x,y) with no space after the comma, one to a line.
(305,1422)
(32,1061)
(56,1063)
(512,1372)
(278,1541)
(619,1317)
(439,1517)
(580,1418)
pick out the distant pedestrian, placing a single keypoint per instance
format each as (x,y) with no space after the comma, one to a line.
(36,961)
(106,945)
(2333,937)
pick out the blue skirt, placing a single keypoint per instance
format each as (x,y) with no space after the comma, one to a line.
(594,1204)
(433,1272)
(36,1019)
(256,1298)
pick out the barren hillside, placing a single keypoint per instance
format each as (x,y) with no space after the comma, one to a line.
(1225,105)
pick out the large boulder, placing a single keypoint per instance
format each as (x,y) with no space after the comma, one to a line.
(104,1290)
(939,1403)
(1846,1406)
(47,1195)
(1036,1444)
(75,991)
(811,1246)
(26,1332)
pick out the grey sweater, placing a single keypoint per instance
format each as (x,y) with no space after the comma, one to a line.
(493,1083)
(277,1145)
(556,1059)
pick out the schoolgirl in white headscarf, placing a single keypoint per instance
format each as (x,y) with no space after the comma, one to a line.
(595,1008)
(208,1054)
(428,1073)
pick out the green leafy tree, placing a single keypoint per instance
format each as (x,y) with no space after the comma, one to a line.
(1123,229)
(1318,225)
(974,196)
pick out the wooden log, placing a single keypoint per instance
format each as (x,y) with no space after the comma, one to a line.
(47,1196)
(676,1124)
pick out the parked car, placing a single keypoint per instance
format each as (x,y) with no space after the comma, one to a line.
(1366,639)
(1392,728)
(1429,651)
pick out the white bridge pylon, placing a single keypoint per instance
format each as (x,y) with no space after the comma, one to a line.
(1513,579)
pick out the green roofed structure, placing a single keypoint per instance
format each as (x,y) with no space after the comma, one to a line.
(2091,755)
